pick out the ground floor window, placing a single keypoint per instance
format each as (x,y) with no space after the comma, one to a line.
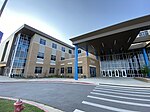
(69,69)
(93,71)
(52,70)
(80,70)
(62,70)
(38,69)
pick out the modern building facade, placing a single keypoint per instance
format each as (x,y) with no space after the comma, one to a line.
(120,50)
(30,53)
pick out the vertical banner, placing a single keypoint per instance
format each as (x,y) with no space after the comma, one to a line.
(1,35)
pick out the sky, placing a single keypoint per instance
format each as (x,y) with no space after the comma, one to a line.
(65,19)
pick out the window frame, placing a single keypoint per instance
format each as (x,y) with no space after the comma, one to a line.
(38,70)
(42,41)
(69,70)
(53,57)
(54,45)
(62,69)
(39,56)
(51,70)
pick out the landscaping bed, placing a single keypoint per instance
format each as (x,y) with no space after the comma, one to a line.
(8,106)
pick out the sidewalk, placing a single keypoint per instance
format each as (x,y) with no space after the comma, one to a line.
(91,81)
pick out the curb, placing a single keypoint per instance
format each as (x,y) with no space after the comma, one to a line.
(73,82)
(38,105)
(142,79)
(123,85)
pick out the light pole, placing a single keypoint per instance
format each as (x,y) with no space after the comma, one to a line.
(3,6)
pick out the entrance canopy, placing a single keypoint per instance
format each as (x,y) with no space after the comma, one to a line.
(112,39)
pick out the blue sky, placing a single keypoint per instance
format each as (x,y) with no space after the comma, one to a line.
(64,19)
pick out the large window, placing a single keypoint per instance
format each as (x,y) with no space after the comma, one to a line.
(38,69)
(42,41)
(80,70)
(69,69)
(62,58)
(143,33)
(63,49)
(62,70)
(52,70)
(54,45)
(53,57)
(70,51)
(40,55)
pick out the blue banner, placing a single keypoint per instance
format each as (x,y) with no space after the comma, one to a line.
(1,35)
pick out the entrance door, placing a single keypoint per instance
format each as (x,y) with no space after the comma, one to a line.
(92,71)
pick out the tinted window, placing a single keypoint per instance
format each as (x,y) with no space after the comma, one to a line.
(42,41)
(38,69)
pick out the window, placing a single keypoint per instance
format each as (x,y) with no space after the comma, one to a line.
(79,51)
(143,33)
(62,58)
(40,55)
(80,70)
(52,70)
(70,51)
(42,41)
(54,45)
(53,57)
(62,70)
(69,69)
(63,49)
(38,69)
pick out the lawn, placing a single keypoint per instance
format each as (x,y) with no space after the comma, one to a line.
(7,106)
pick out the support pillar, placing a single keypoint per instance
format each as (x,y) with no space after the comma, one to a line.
(76,63)
(96,54)
(87,52)
(146,59)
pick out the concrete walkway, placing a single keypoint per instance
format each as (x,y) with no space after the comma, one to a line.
(95,81)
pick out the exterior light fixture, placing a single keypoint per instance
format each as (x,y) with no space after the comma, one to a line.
(129,40)
(102,44)
(115,42)
(121,48)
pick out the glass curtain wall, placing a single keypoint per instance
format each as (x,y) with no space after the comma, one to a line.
(19,56)
(122,65)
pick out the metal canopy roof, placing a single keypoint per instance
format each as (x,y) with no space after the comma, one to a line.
(113,39)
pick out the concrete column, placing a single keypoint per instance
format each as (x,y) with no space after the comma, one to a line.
(76,63)
(146,59)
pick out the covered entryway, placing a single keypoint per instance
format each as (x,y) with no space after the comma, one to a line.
(112,47)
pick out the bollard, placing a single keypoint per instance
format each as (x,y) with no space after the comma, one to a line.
(18,106)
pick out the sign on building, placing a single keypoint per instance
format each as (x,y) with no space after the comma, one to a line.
(1,35)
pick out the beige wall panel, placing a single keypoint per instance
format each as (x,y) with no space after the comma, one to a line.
(31,59)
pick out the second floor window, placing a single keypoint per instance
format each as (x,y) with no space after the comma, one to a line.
(53,57)
(54,45)
(40,55)
(63,49)
(42,41)
(70,51)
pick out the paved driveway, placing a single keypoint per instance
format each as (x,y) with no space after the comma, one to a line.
(66,97)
